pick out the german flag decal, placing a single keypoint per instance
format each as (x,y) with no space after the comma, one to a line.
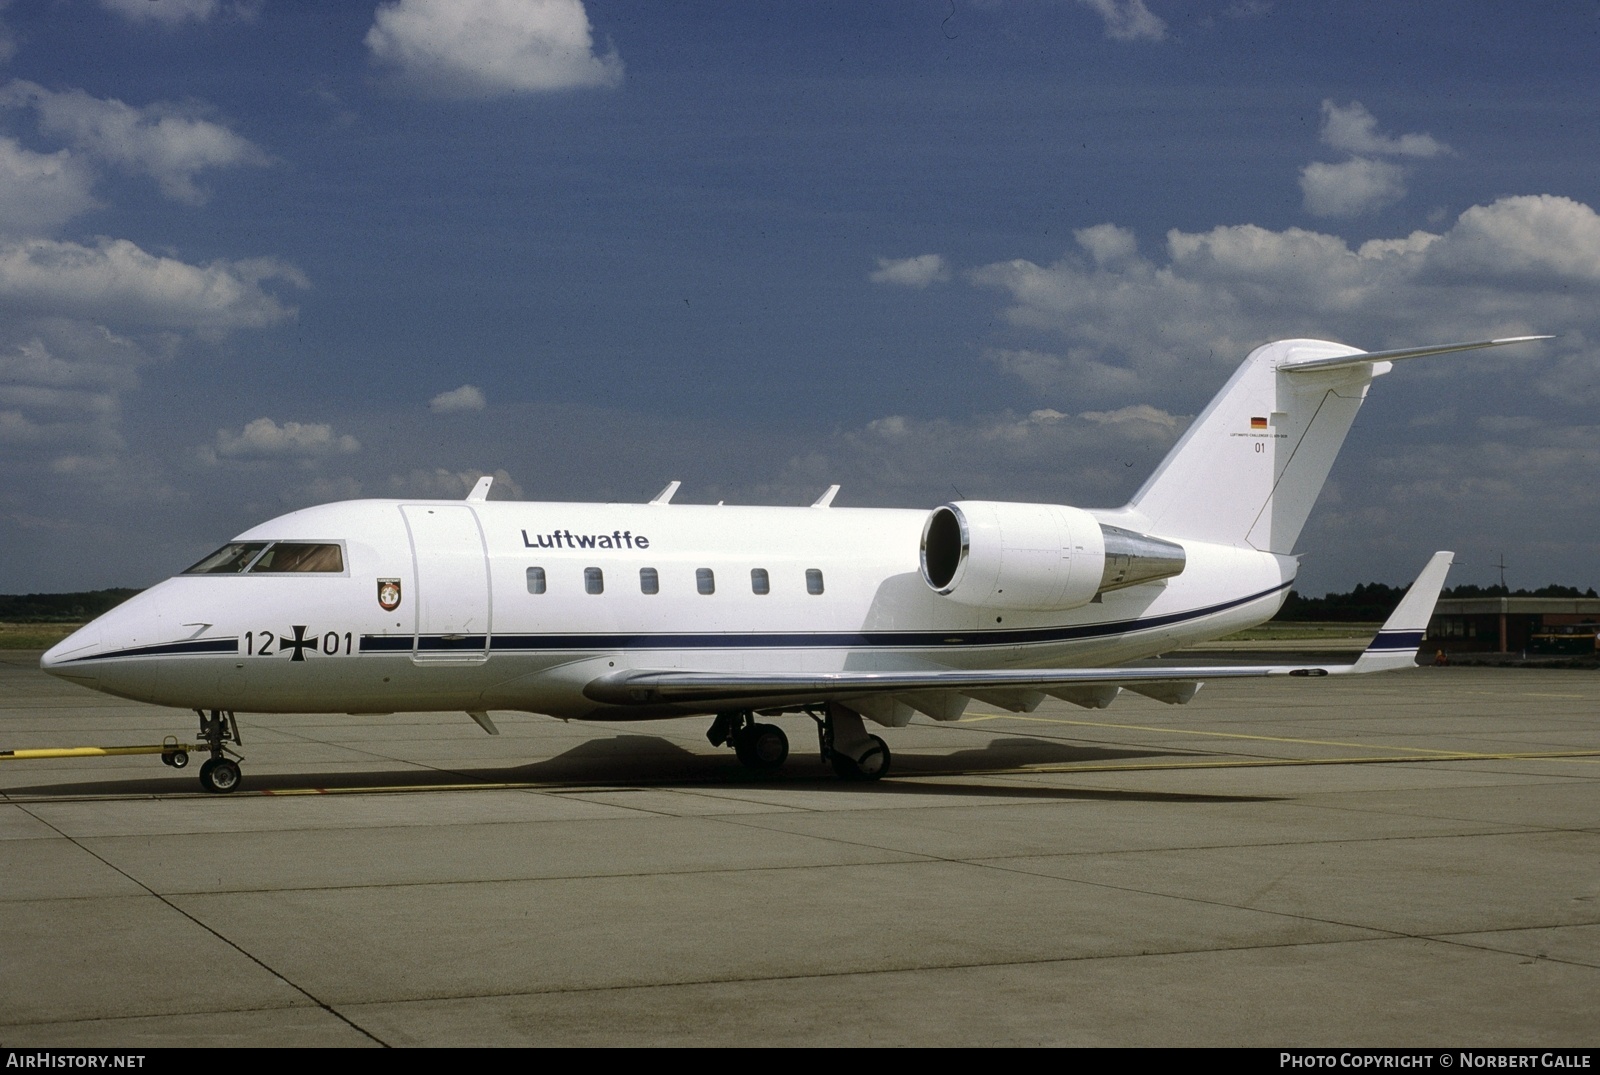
(1258,423)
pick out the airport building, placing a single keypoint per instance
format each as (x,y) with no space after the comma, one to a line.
(1532,625)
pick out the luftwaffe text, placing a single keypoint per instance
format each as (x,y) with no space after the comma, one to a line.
(566,539)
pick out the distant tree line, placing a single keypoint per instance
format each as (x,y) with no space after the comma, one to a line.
(60,607)
(1373,601)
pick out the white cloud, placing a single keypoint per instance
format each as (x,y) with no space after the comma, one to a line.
(1355,130)
(266,439)
(911,272)
(1351,188)
(40,191)
(1092,458)
(61,389)
(1163,329)
(169,12)
(1363,183)
(1063,377)
(161,141)
(1537,237)
(118,282)
(466,398)
(488,48)
(1109,245)
(1128,20)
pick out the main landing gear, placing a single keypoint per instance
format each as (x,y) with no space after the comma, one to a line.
(841,736)
(759,746)
(847,747)
(218,773)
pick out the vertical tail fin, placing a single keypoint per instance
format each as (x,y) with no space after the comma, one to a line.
(1249,469)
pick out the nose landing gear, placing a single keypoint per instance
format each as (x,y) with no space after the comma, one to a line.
(218,774)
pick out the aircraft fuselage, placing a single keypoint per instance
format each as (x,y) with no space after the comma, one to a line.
(477,605)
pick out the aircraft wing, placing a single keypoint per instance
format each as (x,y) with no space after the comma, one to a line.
(891,697)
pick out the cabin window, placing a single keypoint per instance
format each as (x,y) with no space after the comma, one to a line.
(649,580)
(300,556)
(759,582)
(228,560)
(536,580)
(813,580)
(705,580)
(594,580)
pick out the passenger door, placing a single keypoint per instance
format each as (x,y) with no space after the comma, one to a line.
(451,584)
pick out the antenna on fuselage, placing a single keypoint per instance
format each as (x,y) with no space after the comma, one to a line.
(827,498)
(665,496)
(480,492)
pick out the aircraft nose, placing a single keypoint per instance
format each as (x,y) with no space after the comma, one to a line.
(67,659)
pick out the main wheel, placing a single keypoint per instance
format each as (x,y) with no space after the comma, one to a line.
(764,746)
(219,775)
(740,741)
(873,765)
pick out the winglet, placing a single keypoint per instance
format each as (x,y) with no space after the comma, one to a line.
(480,492)
(666,495)
(1401,634)
(827,498)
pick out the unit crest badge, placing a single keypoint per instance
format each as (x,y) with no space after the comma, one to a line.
(388,594)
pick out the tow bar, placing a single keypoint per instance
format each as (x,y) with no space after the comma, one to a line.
(218,773)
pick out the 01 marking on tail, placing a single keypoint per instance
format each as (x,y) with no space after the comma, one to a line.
(619,612)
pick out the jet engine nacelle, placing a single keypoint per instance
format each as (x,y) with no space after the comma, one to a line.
(1035,556)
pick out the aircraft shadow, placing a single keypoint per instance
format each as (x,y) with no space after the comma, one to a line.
(635,760)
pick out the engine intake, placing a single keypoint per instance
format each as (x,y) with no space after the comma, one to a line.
(1036,556)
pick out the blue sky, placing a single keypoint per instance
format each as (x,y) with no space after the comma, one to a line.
(259,255)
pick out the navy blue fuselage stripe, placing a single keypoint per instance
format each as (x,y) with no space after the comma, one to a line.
(203,645)
(442,642)
(754,640)
(816,639)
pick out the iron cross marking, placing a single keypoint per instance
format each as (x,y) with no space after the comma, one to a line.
(299,643)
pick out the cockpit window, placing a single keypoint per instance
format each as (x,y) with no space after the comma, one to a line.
(265,557)
(288,556)
(228,560)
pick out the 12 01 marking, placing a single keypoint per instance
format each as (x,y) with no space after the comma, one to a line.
(332,643)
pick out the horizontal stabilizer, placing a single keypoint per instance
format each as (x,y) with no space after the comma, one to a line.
(1346,361)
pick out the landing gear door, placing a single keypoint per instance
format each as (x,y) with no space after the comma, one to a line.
(451,585)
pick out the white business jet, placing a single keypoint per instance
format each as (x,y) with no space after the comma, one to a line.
(636,612)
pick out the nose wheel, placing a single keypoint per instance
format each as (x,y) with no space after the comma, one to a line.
(219,774)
